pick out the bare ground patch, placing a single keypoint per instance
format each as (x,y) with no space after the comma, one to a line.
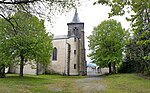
(89,85)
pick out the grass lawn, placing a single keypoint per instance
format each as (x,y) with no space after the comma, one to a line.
(119,83)
(126,83)
(36,84)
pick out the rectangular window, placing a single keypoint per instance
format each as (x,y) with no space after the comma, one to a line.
(75,39)
(74,51)
(68,33)
(74,66)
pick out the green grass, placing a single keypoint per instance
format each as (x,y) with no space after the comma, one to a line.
(119,83)
(126,83)
(36,84)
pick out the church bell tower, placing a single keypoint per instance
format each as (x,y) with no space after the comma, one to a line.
(76,31)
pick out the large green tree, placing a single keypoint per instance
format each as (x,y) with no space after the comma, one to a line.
(26,40)
(106,44)
(139,11)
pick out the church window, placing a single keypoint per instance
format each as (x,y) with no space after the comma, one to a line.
(75,31)
(75,39)
(68,33)
(74,51)
(75,66)
(54,54)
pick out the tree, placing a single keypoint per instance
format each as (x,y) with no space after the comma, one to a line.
(140,19)
(36,6)
(140,23)
(106,44)
(132,58)
(5,57)
(44,8)
(27,40)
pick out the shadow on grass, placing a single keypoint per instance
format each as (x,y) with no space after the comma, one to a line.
(107,75)
(37,79)
(16,77)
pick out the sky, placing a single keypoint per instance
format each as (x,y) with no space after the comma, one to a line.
(90,14)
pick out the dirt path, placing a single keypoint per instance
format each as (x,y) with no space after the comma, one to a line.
(89,85)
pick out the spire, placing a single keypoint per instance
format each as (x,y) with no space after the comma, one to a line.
(75,18)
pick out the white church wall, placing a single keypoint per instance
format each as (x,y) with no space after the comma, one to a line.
(29,68)
(73,57)
(59,65)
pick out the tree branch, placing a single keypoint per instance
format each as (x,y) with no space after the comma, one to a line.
(18,2)
(25,1)
(9,22)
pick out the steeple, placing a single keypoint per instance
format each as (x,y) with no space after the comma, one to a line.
(75,26)
(76,31)
(75,18)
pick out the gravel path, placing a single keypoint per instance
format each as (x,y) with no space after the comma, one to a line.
(90,85)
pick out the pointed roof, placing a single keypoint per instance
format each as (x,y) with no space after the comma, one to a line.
(75,18)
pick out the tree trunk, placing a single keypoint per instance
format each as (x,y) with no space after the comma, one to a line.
(21,65)
(2,71)
(114,67)
(109,65)
(37,68)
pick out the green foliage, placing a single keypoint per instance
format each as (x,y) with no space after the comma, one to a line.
(26,40)
(139,17)
(135,56)
(127,66)
(107,42)
(131,58)
(139,11)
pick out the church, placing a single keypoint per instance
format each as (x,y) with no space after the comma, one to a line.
(68,57)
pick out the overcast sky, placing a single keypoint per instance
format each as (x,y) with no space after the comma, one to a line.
(90,14)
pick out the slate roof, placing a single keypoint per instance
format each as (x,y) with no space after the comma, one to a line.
(76,18)
(60,37)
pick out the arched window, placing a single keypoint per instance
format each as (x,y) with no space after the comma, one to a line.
(54,54)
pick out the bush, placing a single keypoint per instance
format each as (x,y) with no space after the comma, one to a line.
(127,67)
